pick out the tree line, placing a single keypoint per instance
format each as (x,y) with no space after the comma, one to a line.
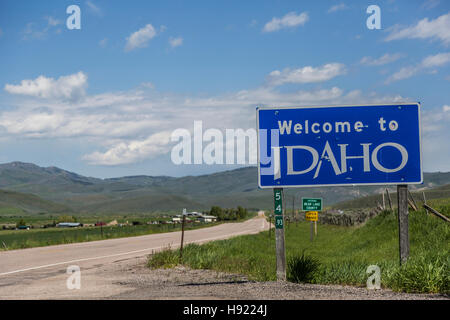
(227,214)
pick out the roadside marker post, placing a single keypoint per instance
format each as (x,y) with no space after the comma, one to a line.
(279,234)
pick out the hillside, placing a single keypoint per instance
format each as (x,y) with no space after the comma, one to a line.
(440,192)
(135,194)
(15,202)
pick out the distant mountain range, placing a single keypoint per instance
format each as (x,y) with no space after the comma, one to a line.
(30,188)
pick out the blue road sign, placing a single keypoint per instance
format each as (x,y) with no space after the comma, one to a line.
(339,145)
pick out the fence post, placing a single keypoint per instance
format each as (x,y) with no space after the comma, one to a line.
(403,232)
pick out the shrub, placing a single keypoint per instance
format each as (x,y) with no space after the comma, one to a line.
(166,258)
(421,275)
(301,268)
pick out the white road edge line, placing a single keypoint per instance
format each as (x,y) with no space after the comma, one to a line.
(123,253)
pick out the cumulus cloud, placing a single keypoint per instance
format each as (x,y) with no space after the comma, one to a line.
(306,74)
(71,87)
(437,29)
(131,126)
(132,151)
(175,42)
(290,20)
(431,61)
(435,136)
(384,59)
(140,38)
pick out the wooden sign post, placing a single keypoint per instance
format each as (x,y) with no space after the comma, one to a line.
(403,232)
(279,234)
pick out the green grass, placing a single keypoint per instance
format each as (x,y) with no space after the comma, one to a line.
(343,254)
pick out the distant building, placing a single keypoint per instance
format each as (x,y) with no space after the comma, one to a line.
(193,214)
(206,218)
(68,224)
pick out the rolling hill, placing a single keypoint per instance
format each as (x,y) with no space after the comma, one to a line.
(135,194)
(15,202)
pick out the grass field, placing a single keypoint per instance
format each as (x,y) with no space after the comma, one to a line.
(342,253)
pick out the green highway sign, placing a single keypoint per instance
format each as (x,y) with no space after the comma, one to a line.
(279,222)
(278,201)
(311,204)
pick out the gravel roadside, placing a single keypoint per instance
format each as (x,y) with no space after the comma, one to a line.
(187,284)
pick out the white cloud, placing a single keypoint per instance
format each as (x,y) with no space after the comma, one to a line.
(71,87)
(437,60)
(132,151)
(52,21)
(94,8)
(435,137)
(32,31)
(437,29)
(290,20)
(127,127)
(337,7)
(306,74)
(140,38)
(148,85)
(175,42)
(403,73)
(430,4)
(431,61)
(384,59)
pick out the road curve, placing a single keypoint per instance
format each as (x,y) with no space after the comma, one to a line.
(22,268)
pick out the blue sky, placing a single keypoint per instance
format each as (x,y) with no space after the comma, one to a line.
(103,100)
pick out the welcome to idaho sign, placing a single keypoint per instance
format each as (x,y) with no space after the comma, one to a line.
(339,145)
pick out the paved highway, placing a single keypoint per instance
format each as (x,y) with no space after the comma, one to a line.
(41,272)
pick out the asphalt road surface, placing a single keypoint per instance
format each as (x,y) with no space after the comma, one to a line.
(41,273)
